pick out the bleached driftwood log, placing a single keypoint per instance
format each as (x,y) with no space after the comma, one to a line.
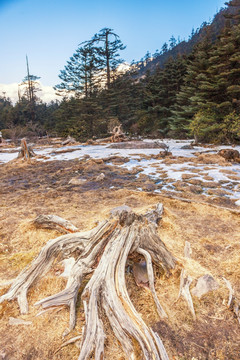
(103,251)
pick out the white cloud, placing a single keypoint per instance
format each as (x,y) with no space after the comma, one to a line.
(47,93)
(11,91)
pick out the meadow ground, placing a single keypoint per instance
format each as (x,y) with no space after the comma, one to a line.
(28,190)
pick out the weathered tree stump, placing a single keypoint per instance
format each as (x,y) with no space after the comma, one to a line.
(118,134)
(103,252)
(26,151)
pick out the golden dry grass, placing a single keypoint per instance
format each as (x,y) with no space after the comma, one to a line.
(214,237)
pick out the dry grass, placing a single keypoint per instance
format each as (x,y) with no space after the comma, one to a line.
(214,238)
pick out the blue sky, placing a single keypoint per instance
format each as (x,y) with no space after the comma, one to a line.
(49,31)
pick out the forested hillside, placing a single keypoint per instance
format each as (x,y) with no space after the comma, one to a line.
(189,89)
(176,47)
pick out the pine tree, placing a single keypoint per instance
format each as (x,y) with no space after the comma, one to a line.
(108,45)
(211,90)
(5,112)
(210,98)
(121,101)
(80,75)
(160,96)
(234,15)
(189,99)
(172,42)
(164,48)
(220,90)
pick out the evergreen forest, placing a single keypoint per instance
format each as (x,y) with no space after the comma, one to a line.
(188,89)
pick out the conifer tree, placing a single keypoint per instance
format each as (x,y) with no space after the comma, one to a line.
(219,98)
(79,76)
(160,96)
(5,112)
(123,99)
(210,98)
(172,42)
(164,48)
(235,14)
(108,45)
(189,98)
(224,56)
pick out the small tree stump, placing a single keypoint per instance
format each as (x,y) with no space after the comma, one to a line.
(26,151)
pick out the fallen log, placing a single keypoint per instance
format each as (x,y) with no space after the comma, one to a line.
(117,135)
(139,144)
(104,252)
(69,140)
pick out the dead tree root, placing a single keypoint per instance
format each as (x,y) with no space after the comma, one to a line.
(103,252)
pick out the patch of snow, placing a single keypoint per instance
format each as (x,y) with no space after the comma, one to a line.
(237,202)
(5,157)
(150,167)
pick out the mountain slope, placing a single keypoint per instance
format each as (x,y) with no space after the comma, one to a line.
(186,47)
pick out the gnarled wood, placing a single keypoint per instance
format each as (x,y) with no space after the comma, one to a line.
(148,259)
(26,151)
(117,134)
(185,282)
(54,222)
(233,303)
(104,252)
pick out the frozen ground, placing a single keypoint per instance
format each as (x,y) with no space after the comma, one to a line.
(214,179)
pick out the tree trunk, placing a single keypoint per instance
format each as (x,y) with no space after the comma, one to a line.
(107,60)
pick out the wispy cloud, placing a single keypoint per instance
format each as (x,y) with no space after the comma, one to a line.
(47,93)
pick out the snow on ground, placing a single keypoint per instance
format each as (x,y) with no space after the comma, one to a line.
(227,177)
(7,156)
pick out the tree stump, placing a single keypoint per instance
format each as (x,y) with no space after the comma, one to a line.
(117,134)
(26,151)
(103,252)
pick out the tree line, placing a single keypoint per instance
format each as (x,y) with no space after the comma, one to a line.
(195,95)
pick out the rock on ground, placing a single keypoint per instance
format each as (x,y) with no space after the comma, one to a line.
(205,284)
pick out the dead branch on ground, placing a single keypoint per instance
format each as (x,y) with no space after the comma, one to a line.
(233,302)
